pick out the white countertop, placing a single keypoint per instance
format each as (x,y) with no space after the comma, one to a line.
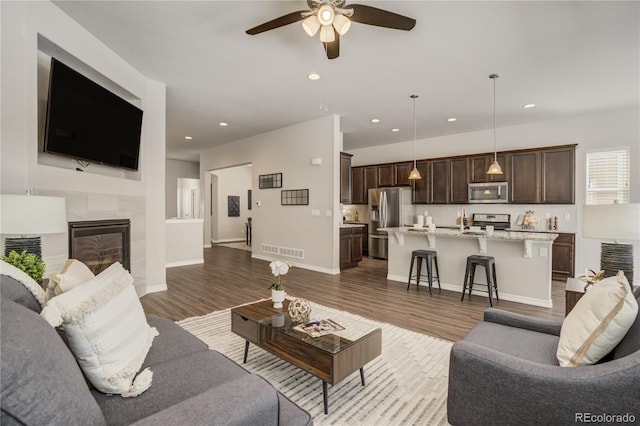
(352,225)
(455,233)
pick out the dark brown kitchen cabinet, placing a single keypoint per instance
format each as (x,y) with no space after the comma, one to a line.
(459,181)
(525,178)
(563,257)
(357,185)
(386,175)
(363,179)
(558,176)
(402,171)
(345,177)
(350,247)
(479,164)
(422,187)
(394,174)
(439,181)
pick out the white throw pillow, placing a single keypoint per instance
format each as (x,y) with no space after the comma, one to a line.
(21,276)
(107,331)
(597,323)
(73,274)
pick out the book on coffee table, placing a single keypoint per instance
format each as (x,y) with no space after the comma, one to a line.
(317,328)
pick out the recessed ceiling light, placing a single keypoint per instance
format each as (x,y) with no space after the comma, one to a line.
(375,120)
(188,138)
(395,130)
(452,119)
(313,76)
(529,106)
(223,124)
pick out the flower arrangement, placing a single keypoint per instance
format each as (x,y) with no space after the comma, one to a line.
(278,269)
(30,263)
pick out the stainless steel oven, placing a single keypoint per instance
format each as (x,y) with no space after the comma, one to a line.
(489,192)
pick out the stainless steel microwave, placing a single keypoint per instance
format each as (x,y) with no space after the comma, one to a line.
(489,192)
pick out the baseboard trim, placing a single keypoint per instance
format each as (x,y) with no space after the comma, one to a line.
(298,265)
(503,296)
(184,263)
(228,240)
(156,288)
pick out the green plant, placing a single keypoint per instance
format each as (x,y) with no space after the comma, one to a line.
(30,263)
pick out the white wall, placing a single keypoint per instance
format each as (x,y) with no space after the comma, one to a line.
(289,151)
(177,169)
(231,181)
(618,128)
(22,24)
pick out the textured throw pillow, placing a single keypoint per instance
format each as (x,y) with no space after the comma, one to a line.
(73,273)
(107,331)
(597,323)
(22,277)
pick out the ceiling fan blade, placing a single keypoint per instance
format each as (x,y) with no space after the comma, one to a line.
(333,48)
(381,18)
(287,19)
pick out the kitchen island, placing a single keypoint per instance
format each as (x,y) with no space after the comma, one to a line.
(523,259)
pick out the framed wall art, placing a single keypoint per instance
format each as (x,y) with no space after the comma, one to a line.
(294,197)
(273,180)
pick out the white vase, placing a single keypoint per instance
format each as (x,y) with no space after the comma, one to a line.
(277,297)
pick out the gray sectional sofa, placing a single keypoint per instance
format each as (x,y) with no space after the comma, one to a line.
(41,383)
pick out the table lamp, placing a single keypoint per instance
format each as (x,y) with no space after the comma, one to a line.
(613,222)
(30,216)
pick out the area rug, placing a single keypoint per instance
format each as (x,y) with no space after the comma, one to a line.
(406,385)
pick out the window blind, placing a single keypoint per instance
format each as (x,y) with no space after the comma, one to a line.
(608,177)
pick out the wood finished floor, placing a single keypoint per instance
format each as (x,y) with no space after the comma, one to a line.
(230,277)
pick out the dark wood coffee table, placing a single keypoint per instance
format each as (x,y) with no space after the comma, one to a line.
(331,358)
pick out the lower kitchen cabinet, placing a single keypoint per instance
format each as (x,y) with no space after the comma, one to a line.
(563,257)
(350,246)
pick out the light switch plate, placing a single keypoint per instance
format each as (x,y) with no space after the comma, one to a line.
(315,212)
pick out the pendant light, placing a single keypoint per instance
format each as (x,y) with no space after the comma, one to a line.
(494,168)
(415,174)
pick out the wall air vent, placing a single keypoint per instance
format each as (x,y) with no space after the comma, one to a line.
(283,251)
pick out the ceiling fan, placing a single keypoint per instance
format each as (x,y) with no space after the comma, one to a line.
(333,18)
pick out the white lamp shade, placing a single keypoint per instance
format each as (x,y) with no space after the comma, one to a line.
(32,215)
(326,34)
(326,14)
(611,221)
(311,25)
(342,24)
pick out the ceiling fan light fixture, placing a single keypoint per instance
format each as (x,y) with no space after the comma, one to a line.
(326,14)
(342,24)
(311,25)
(326,34)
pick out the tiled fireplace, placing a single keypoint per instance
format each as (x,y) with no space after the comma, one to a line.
(100,243)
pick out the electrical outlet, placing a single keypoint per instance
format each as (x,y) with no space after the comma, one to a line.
(328,213)
(543,252)
(547,215)
(567,216)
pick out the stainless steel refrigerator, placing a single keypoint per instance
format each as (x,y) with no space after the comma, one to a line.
(388,208)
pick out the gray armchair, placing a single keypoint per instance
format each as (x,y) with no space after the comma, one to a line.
(505,371)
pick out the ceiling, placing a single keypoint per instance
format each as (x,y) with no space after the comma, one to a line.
(569,58)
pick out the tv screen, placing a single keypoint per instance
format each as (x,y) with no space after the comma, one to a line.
(88,122)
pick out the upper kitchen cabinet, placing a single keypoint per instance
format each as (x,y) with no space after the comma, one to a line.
(394,174)
(459,181)
(525,178)
(362,180)
(345,178)
(422,187)
(479,164)
(543,176)
(558,175)
(439,178)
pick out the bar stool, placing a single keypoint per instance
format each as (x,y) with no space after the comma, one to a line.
(489,264)
(431,258)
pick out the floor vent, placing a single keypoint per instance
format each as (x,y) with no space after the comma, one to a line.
(283,251)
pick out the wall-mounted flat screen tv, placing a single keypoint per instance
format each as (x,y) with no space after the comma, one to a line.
(88,122)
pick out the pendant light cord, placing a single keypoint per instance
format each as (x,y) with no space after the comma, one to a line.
(495,153)
(414,131)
